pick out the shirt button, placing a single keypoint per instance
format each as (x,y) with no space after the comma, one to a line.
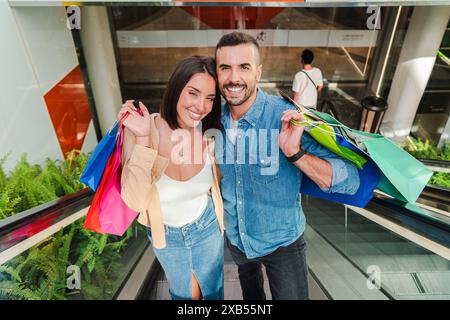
(240,202)
(262,161)
(239,136)
(243,234)
(241,220)
(239,182)
(237,161)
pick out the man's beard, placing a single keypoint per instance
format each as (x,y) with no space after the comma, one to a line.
(248,92)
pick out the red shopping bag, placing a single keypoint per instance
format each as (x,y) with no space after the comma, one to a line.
(92,221)
(108,213)
(114,215)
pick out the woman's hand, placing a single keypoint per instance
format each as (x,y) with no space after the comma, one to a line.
(137,124)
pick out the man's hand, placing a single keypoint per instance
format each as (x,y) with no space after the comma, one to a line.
(290,135)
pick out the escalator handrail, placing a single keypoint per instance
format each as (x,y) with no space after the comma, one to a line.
(401,207)
(22,218)
(398,212)
(435,162)
(437,193)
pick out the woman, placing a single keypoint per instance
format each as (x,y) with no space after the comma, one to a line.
(178,198)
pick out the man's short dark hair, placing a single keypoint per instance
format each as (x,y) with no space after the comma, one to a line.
(236,38)
(307,56)
(180,77)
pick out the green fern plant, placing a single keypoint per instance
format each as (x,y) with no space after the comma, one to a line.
(40,273)
(27,185)
(425,150)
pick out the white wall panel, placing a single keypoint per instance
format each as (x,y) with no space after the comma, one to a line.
(266,38)
(187,38)
(352,38)
(213,37)
(26,125)
(49,43)
(280,38)
(142,39)
(308,38)
(90,141)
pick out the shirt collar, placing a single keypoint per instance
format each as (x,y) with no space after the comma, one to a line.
(253,114)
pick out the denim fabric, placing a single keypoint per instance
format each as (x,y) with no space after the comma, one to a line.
(194,248)
(286,270)
(260,188)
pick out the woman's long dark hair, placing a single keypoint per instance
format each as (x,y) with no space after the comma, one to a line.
(180,77)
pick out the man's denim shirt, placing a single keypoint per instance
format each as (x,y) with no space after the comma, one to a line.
(260,188)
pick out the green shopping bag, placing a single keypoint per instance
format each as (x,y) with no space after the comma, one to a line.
(325,135)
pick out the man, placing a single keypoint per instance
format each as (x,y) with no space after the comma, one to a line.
(307,82)
(264,221)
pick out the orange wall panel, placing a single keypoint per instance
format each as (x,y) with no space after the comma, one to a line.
(68,107)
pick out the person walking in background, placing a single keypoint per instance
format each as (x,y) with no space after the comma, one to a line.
(308,82)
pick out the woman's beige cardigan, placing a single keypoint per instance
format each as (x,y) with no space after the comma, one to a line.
(142,167)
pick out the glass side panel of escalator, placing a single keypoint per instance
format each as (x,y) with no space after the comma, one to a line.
(406,269)
(73,263)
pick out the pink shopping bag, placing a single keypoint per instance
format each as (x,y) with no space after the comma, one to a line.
(114,215)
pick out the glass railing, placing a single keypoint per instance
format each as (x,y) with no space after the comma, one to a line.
(63,260)
(407,270)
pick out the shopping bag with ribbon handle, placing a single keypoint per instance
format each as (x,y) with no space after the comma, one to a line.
(401,175)
(108,213)
(92,221)
(93,171)
(114,215)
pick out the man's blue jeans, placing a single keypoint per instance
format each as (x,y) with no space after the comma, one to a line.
(286,270)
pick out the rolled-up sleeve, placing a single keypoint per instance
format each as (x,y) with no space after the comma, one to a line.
(345,177)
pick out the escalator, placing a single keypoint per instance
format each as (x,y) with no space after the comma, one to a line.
(411,254)
(409,246)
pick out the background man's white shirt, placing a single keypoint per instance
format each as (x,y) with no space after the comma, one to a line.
(305,88)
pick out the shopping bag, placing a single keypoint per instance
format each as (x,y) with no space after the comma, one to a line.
(328,137)
(92,221)
(93,171)
(114,215)
(402,176)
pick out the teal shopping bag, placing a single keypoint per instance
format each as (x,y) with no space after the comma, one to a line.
(403,173)
(403,176)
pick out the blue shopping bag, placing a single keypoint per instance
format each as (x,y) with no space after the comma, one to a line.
(93,171)
(369,178)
